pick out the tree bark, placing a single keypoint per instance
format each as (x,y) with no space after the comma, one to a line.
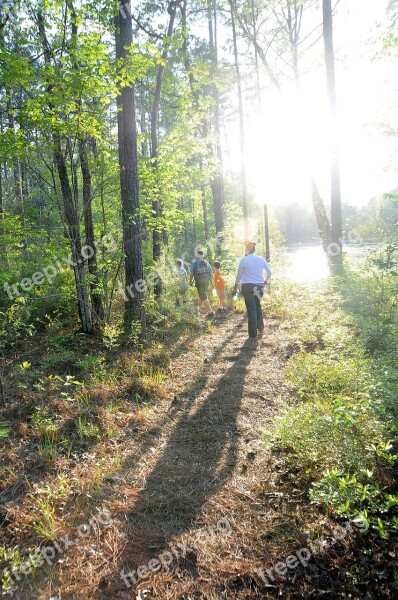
(89,230)
(128,162)
(321,217)
(71,215)
(95,295)
(18,193)
(205,217)
(70,210)
(336,214)
(156,203)
(245,203)
(217,183)
(260,112)
(3,247)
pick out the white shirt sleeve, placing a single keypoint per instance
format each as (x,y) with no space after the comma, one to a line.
(240,273)
(267,268)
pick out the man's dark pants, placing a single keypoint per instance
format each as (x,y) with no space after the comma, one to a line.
(252,294)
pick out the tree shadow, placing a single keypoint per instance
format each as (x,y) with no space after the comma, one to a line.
(199,457)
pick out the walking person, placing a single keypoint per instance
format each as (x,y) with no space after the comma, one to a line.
(200,272)
(219,286)
(182,283)
(251,276)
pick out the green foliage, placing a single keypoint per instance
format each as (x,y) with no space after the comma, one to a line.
(43,502)
(325,375)
(10,559)
(87,430)
(323,434)
(370,293)
(14,323)
(355,497)
(4,429)
(339,434)
(110,337)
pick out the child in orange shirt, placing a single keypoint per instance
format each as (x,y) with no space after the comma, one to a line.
(219,286)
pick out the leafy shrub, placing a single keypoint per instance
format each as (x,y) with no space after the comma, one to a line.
(334,434)
(355,497)
(15,323)
(323,375)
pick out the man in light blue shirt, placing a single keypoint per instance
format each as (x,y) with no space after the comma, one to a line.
(251,276)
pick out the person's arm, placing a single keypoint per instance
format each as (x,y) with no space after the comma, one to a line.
(239,276)
(191,272)
(267,269)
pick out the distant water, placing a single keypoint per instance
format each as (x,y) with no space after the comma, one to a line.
(309,263)
(306,264)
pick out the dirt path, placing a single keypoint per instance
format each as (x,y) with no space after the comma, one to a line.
(186,495)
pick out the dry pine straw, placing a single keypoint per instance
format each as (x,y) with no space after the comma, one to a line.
(192,460)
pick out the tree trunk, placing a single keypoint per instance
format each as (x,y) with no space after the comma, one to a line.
(3,247)
(321,217)
(241,127)
(260,112)
(336,215)
(70,210)
(96,299)
(293,19)
(73,227)
(266,233)
(217,183)
(128,162)
(89,229)
(156,203)
(205,217)
(18,193)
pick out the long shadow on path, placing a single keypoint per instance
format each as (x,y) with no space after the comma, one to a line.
(199,457)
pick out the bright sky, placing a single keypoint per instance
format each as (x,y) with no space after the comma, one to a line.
(292,138)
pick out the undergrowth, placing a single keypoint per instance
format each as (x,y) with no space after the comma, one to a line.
(340,429)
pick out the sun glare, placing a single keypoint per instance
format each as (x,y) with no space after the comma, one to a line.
(285,146)
(291,140)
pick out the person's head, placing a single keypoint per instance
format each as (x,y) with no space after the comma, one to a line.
(250,248)
(179,262)
(200,254)
(216,265)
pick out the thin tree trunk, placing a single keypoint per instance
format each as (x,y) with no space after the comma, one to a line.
(321,217)
(245,203)
(266,233)
(156,203)
(128,162)
(18,194)
(194,222)
(257,68)
(89,230)
(87,193)
(336,215)
(205,217)
(71,214)
(143,120)
(294,26)
(217,183)
(73,225)
(260,113)
(3,247)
